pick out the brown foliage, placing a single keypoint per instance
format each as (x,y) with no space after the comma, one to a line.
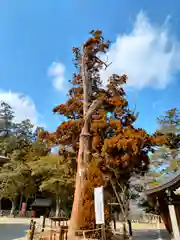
(94,179)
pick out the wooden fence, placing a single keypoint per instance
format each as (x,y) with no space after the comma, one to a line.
(140,218)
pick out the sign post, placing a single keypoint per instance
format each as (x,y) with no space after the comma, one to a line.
(99,209)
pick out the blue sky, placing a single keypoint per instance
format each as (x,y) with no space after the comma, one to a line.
(36,38)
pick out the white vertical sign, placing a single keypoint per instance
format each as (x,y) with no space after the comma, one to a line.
(99,205)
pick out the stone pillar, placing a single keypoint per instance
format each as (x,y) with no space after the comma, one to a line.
(174,222)
(172,214)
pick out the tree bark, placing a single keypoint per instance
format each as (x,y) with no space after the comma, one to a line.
(13,207)
(79,188)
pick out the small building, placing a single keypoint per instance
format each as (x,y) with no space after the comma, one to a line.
(166,198)
(41,207)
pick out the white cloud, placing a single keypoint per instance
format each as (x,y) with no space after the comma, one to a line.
(149,55)
(56,72)
(22,105)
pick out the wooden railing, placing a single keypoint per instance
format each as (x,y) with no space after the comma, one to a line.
(143,218)
(59,234)
(146,218)
(59,227)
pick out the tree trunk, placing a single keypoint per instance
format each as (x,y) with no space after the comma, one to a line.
(84,155)
(0,203)
(124,206)
(130,228)
(118,198)
(20,204)
(79,191)
(57,206)
(126,200)
(25,206)
(13,207)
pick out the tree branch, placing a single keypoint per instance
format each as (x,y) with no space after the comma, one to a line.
(93,107)
(118,198)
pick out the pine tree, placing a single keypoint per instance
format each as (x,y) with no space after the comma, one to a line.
(6,125)
(166,159)
(6,117)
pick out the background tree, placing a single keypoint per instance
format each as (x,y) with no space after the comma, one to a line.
(9,184)
(166,158)
(6,125)
(58,176)
(164,162)
(20,144)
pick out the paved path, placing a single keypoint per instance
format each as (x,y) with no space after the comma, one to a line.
(150,235)
(12,231)
(147,232)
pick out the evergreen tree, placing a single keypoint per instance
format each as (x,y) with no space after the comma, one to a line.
(20,144)
(166,159)
(116,149)
(6,118)
(58,176)
(6,126)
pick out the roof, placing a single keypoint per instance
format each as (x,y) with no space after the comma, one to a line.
(42,202)
(3,159)
(173,183)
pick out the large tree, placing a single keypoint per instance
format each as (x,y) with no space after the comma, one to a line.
(167,157)
(100,129)
(6,125)
(165,161)
(19,142)
(16,180)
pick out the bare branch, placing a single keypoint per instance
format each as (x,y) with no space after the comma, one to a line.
(122,189)
(107,65)
(102,62)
